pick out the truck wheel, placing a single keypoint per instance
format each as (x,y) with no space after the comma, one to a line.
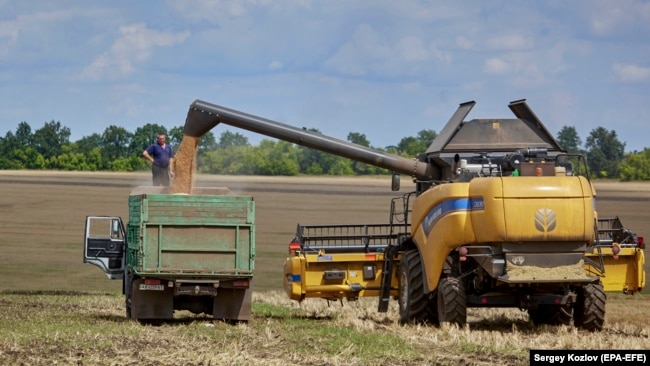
(414,304)
(551,314)
(589,313)
(452,301)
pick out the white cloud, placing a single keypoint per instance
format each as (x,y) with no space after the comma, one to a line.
(411,49)
(510,42)
(464,43)
(8,37)
(631,73)
(497,66)
(134,46)
(355,56)
(275,65)
(613,16)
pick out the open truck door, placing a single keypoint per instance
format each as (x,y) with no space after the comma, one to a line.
(104,245)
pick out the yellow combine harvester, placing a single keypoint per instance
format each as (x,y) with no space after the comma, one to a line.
(501,217)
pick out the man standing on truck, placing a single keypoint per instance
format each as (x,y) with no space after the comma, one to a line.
(161,157)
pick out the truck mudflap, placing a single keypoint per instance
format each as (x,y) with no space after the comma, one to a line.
(617,258)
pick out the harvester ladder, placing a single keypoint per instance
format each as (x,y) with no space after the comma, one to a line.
(399,222)
(386,276)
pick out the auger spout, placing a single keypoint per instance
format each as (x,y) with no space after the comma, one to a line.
(203,116)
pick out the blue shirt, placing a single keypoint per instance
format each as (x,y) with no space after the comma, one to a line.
(160,156)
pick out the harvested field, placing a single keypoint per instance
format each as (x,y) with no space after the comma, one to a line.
(58,310)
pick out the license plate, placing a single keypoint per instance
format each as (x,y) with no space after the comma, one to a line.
(146,287)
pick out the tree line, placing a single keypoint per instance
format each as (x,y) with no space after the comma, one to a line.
(117,149)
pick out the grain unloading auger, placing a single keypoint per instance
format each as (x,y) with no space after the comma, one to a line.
(501,217)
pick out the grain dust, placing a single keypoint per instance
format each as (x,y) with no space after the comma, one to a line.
(185,165)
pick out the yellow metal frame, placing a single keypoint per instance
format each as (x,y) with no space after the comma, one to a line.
(304,276)
(623,272)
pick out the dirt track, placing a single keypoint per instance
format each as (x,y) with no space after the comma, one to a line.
(43,217)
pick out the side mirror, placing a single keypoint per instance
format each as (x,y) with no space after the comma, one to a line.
(394,184)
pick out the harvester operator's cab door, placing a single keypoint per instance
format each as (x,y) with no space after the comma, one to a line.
(105,244)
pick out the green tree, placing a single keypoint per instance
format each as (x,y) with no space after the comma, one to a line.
(569,140)
(341,166)
(360,168)
(604,153)
(21,139)
(636,166)
(426,138)
(414,146)
(312,161)
(229,139)
(13,147)
(234,161)
(71,159)
(175,136)
(23,135)
(50,139)
(29,158)
(358,138)
(277,158)
(208,142)
(115,144)
(87,143)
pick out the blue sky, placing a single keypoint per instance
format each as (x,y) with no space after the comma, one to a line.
(387,69)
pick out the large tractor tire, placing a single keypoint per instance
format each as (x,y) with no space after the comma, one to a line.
(414,304)
(589,311)
(452,301)
(551,314)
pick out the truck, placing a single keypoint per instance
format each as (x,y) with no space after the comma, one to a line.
(193,252)
(501,216)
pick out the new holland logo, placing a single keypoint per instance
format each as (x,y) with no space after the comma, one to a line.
(545,220)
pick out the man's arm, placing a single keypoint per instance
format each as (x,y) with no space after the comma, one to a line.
(147,156)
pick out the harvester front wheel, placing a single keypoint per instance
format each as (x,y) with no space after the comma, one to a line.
(589,312)
(414,306)
(452,301)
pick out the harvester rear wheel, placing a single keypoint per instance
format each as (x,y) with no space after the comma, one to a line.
(589,313)
(452,301)
(414,304)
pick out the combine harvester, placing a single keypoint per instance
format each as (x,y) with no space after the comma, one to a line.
(501,217)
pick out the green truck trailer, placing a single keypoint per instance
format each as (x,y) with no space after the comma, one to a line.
(193,252)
